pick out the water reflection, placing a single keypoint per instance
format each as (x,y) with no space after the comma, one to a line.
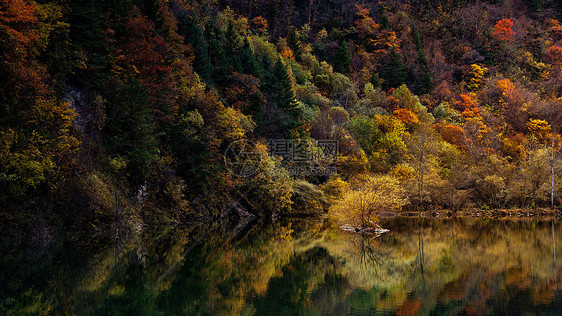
(422,266)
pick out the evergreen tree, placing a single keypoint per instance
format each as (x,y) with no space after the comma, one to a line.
(375,80)
(231,45)
(130,134)
(278,87)
(385,24)
(342,63)
(416,36)
(286,100)
(86,33)
(231,40)
(216,53)
(294,45)
(248,61)
(393,71)
(425,82)
(284,94)
(194,36)
(118,14)
(535,5)
(422,78)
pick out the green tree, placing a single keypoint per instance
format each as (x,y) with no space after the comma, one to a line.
(294,44)
(86,34)
(250,64)
(217,53)
(285,96)
(422,75)
(342,63)
(231,47)
(194,36)
(129,131)
(280,94)
(385,24)
(393,71)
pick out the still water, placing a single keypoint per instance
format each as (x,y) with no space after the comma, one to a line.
(305,267)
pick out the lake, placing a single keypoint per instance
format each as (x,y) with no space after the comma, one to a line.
(463,266)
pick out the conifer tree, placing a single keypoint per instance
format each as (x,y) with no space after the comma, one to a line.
(231,40)
(216,53)
(287,101)
(393,71)
(118,14)
(194,36)
(278,87)
(285,96)
(130,134)
(385,24)
(231,46)
(375,80)
(86,33)
(423,79)
(294,45)
(248,61)
(342,63)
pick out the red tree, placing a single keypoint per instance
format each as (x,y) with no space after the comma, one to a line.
(503,30)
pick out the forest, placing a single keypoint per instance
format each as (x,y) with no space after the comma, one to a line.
(122,112)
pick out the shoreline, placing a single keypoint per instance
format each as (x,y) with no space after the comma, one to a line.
(477,213)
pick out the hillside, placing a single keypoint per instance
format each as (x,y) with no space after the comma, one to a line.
(122,111)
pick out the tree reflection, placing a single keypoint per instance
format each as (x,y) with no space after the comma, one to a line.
(421,266)
(365,247)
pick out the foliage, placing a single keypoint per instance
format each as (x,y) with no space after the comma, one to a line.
(503,30)
(370,196)
(343,58)
(459,101)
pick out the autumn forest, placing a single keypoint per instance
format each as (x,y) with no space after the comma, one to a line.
(127,107)
(122,120)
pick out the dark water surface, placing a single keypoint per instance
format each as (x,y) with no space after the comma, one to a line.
(421,267)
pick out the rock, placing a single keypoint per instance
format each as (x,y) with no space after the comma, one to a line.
(377,231)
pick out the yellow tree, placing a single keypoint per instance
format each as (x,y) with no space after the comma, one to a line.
(555,146)
(541,132)
(422,144)
(475,77)
(369,196)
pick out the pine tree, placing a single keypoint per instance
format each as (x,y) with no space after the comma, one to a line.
(248,61)
(393,71)
(130,134)
(375,80)
(231,40)
(194,36)
(422,78)
(216,53)
(231,43)
(535,5)
(118,14)
(342,63)
(385,24)
(425,82)
(278,87)
(267,76)
(294,45)
(86,33)
(416,36)
(285,96)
